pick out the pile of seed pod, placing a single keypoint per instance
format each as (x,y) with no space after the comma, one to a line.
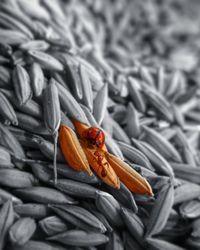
(127,67)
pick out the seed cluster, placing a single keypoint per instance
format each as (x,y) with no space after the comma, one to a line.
(127,68)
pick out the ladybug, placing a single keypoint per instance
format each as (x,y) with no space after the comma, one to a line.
(95,136)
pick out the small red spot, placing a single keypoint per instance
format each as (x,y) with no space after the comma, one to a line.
(103,173)
(100,157)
